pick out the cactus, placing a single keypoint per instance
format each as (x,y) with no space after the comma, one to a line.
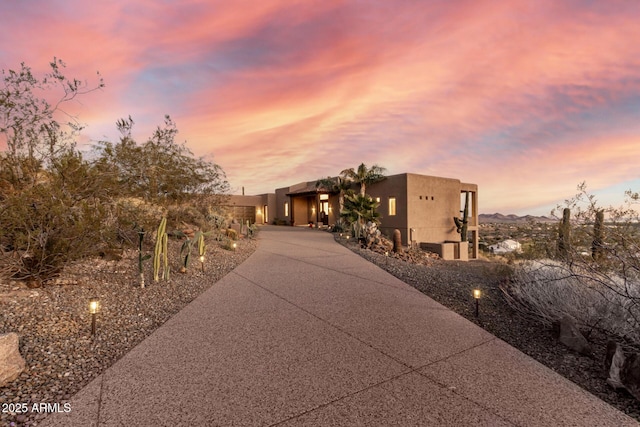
(187,247)
(564,233)
(160,252)
(597,245)
(202,248)
(397,240)
(185,251)
(141,258)
(462,223)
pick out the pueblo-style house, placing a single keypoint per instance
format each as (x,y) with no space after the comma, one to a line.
(422,207)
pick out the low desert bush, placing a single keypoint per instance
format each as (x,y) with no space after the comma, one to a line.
(548,289)
(181,215)
(232,234)
(44,228)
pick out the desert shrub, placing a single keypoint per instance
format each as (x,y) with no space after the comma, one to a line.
(232,234)
(57,207)
(159,170)
(179,216)
(340,226)
(549,289)
(278,221)
(130,215)
(228,244)
(45,228)
(596,276)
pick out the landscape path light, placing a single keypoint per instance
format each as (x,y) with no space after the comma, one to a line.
(94,307)
(202,262)
(477,293)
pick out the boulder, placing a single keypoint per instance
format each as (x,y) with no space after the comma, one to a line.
(566,331)
(624,369)
(11,362)
(630,374)
(613,363)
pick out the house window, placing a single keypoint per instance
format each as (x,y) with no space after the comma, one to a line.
(286,208)
(392,206)
(324,197)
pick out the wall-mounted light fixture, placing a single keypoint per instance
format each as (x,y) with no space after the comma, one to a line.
(94,308)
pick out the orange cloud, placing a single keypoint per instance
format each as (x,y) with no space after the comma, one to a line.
(279,91)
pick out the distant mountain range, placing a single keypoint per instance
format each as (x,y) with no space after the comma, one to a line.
(497,217)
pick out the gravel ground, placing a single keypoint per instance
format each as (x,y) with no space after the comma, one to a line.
(62,356)
(451,284)
(55,327)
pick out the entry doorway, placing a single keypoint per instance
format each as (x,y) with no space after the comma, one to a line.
(324,212)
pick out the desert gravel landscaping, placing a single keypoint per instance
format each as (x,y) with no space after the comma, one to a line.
(62,357)
(451,284)
(54,324)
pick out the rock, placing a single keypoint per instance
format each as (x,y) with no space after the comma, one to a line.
(566,331)
(630,374)
(613,363)
(111,254)
(11,362)
(624,369)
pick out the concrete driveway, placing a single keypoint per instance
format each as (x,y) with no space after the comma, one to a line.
(306,333)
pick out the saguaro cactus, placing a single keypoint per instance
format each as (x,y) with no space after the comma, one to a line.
(564,233)
(462,223)
(596,246)
(397,240)
(160,253)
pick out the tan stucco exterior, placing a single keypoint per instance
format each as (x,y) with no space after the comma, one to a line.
(263,206)
(424,209)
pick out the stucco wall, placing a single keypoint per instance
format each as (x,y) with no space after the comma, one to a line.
(432,204)
(281,198)
(256,202)
(424,203)
(392,186)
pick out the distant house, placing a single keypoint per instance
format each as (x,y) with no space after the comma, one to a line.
(506,246)
(422,207)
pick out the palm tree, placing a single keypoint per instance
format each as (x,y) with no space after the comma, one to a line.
(358,210)
(335,185)
(364,176)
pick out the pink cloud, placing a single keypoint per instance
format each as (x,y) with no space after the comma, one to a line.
(462,89)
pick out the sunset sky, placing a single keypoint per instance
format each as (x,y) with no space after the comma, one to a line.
(524,98)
